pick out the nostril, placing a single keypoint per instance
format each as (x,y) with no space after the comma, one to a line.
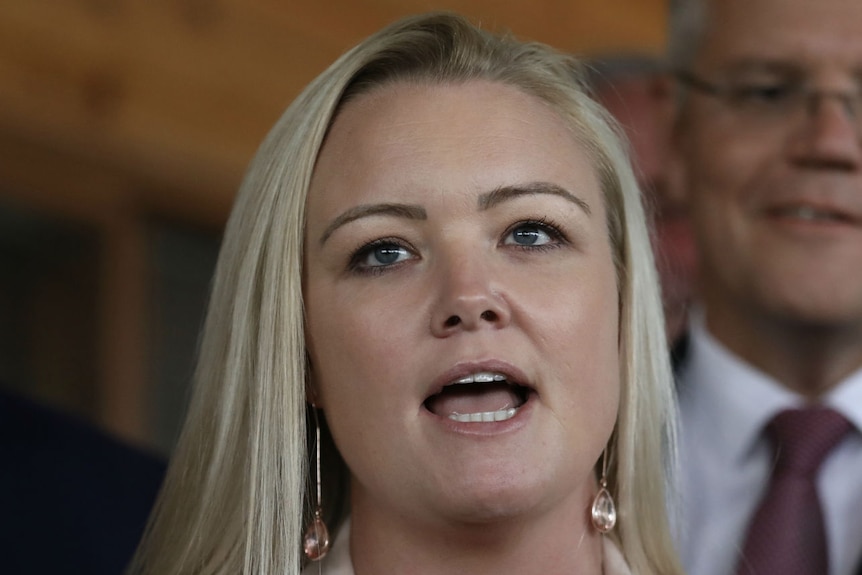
(489,315)
(452,321)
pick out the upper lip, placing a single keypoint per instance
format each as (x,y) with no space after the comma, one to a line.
(513,374)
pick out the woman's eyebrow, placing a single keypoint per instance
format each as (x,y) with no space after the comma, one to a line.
(409,211)
(506,193)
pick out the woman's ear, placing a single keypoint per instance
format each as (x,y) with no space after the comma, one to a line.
(312,390)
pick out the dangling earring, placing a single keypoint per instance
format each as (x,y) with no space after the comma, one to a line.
(315,542)
(604,511)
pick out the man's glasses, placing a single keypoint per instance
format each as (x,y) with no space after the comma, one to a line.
(776,101)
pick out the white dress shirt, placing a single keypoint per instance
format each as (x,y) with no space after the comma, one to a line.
(725,404)
(337,561)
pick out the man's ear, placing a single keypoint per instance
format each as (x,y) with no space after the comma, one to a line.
(668,106)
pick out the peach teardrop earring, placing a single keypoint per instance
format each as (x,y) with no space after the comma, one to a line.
(315,542)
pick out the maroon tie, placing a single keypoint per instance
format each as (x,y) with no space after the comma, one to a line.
(786,535)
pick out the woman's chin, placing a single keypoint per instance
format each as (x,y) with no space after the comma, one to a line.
(497,499)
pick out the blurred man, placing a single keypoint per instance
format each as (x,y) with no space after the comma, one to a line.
(630,88)
(72,499)
(768,146)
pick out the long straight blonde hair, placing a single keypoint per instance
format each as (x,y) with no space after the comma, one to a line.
(236,495)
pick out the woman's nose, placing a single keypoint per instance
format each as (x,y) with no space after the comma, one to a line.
(469,299)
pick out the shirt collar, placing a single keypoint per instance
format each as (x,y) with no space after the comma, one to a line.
(728,400)
(846,398)
(735,400)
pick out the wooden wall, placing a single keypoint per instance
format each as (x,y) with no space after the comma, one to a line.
(116,113)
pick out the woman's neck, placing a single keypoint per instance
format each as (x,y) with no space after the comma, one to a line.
(560,541)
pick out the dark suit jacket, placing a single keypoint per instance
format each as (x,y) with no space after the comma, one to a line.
(72,500)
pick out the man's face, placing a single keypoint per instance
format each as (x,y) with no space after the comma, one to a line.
(636,103)
(775,177)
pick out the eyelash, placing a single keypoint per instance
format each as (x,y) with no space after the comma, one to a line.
(546,225)
(361,254)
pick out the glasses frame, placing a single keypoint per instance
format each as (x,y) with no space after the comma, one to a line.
(809,99)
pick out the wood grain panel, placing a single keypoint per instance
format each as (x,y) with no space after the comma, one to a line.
(181,92)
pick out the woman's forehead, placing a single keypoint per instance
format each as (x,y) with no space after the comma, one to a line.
(423,128)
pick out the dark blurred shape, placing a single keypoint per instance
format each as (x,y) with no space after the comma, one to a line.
(182,260)
(72,499)
(49,290)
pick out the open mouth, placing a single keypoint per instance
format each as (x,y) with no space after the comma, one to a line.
(481,397)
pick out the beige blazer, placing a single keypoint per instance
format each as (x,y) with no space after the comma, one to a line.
(337,561)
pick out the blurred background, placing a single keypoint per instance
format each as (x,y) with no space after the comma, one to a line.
(125,127)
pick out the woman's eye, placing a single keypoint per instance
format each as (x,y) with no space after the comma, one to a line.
(379,255)
(531,234)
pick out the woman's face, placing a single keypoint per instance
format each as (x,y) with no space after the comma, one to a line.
(461,301)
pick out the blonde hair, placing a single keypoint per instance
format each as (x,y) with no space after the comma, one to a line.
(236,496)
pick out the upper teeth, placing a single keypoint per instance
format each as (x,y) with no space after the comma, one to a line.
(809,213)
(481,377)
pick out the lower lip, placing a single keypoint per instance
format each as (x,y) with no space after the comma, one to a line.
(487,428)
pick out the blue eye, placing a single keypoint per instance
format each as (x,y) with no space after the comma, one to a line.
(379,254)
(531,234)
(386,255)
